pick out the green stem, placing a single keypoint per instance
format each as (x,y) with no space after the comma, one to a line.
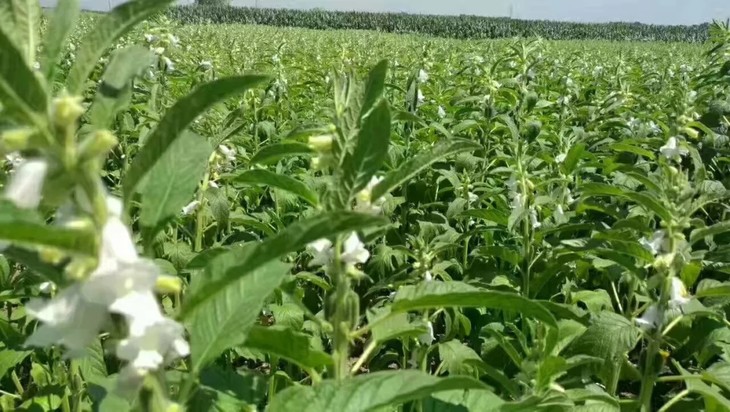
(364,357)
(340,322)
(16,382)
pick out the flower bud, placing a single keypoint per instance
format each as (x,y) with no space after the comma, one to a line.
(168,284)
(51,255)
(98,144)
(690,132)
(530,101)
(322,144)
(16,139)
(66,110)
(532,129)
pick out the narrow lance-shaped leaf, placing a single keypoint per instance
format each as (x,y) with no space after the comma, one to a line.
(20,90)
(420,162)
(110,27)
(172,181)
(367,392)
(371,149)
(21,21)
(272,153)
(286,344)
(177,119)
(374,86)
(62,23)
(225,321)
(125,64)
(227,267)
(268,178)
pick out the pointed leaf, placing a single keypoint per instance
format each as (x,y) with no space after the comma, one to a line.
(225,321)
(286,183)
(371,149)
(20,90)
(63,22)
(272,153)
(367,392)
(374,86)
(177,119)
(21,20)
(110,27)
(286,344)
(420,162)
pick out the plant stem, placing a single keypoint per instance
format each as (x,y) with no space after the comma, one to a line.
(340,322)
(674,400)
(364,357)
(16,382)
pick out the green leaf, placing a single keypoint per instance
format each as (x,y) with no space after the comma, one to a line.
(226,268)
(21,19)
(371,149)
(463,400)
(62,23)
(374,88)
(572,158)
(386,326)
(722,290)
(20,90)
(226,320)
(459,359)
(172,181)
(286,183)
(177,119)
(648,202)
(223,390)
(274,152)
(286,344)
(11,350)
(420,162)
(711,394)
(609,336)
(125,64)
(92,365)
(110,27)
(429,295)
(701,233)
(490,215)
(26,228)
(367,392)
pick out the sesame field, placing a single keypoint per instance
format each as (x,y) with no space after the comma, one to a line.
(204,216)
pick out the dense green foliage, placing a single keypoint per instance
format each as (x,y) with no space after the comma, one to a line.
(461,27)
(375,222)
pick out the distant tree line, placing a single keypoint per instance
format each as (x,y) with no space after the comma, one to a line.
(464,27)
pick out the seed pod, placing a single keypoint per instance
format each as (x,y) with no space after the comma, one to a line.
(530,101)
(532,130)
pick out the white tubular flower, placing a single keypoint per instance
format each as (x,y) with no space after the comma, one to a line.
(354,251)
(47,287)
(427,337)
(441,112)
(534,219)
(228,153)
(420,97)
(427,276)
(68,320)
(153,339)
(678,295)
(213,184)
(561,157)
(321,251)
(472,197)
(672,150)
(559,215)
(650,319)
(364,202)
(25,188)
(658,243)
(190,208)
(518,201)
(150,38)
(422,76)
(169,65)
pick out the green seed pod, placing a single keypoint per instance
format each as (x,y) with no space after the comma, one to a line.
(531,130)
(530,101)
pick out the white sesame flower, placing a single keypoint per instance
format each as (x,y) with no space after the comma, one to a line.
(36,66)
(559,215)
(518,201)
(420,97)
(174,40)
(205,65)
(534,219)
(472,197)
(651,318)
(14,159)
(68,320)
(427,276)
(169,65)
(658,243)
(422,76)
(561,157)
(190,207)
(47,287)
(427,337)
(678,295)
(213,184)
(25,188)
(672,150)
(363,200)
(354,250)
(441,112)
(321,251)
(276,59)
(229,154)
(159,50)
(150,38)
(152,338)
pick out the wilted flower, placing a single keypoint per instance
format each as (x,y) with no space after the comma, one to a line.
(658,243)
(25,188)
(672,150)
(190,207)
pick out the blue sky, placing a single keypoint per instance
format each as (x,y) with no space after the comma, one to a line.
(645,11)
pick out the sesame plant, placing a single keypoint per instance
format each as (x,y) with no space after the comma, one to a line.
(228,217)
